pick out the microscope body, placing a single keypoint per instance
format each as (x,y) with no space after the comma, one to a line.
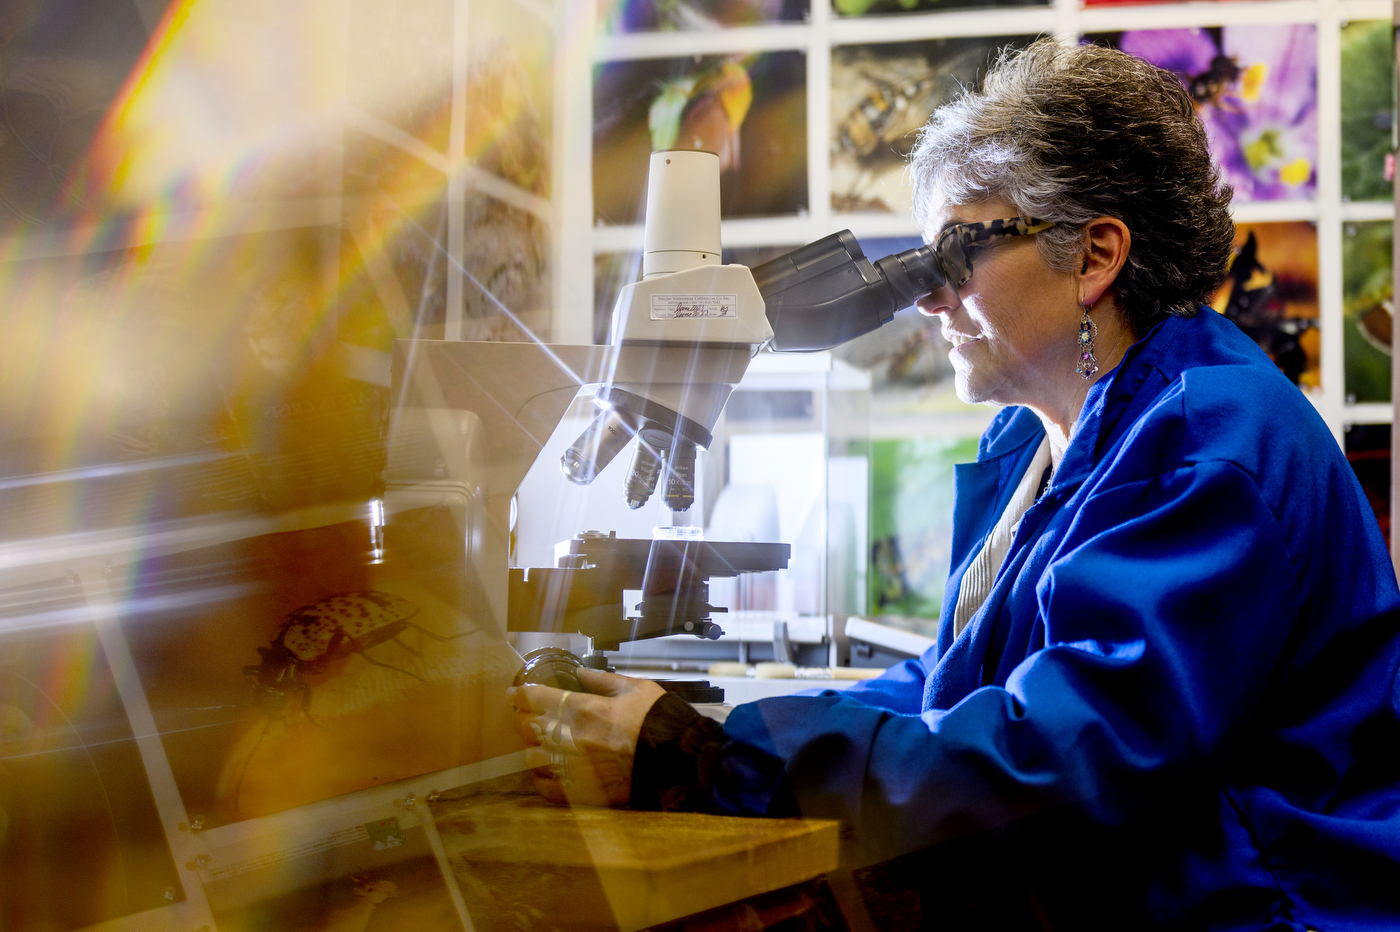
(681,339)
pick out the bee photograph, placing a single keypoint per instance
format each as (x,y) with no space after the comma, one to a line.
(290,668)
(1255,89)
(750,109)
(880,96)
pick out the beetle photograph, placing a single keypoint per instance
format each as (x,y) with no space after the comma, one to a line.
(288,668)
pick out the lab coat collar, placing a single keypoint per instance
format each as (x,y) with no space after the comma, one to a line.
(1115,401)
(983,488)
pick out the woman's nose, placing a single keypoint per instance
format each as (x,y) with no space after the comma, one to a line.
(938,301)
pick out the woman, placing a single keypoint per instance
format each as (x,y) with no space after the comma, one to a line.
(1166,671)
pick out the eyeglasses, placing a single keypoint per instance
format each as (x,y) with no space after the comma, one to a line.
(958,243)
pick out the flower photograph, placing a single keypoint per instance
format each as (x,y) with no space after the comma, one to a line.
(1255,88)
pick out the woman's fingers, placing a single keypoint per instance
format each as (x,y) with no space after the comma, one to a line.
(540,700)
(604,683)
(582,744)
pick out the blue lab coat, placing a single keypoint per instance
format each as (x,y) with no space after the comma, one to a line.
(1178,706)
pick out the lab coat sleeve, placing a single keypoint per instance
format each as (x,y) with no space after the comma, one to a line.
(1165,616)
(898,689)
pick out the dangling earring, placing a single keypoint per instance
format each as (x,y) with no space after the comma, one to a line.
(1088,365)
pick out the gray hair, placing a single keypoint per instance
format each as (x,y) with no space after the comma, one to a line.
(1071,133)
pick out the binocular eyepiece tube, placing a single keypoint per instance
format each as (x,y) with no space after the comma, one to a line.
(828,292)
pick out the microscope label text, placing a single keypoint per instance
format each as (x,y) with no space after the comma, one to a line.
(682,306)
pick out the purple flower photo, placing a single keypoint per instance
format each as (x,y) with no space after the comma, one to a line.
(1255,88)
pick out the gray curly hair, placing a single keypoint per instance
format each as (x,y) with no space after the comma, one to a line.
(1071,133)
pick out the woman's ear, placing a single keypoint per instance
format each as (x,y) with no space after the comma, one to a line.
(1106,244)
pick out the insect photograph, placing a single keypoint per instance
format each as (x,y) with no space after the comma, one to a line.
(1255,88)
(317,638)
(749,109)
(316,641)
(284,669)
(880,96)
(1368,297)
(1270,292)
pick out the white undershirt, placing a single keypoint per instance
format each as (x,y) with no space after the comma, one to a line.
(977,581)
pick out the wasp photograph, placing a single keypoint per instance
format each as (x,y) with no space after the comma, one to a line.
(880,96)
(1270,292)
(290,668)
(749,109)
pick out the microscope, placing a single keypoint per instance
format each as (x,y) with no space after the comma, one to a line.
(681,339)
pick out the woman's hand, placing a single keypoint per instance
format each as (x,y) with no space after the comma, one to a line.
(594,731)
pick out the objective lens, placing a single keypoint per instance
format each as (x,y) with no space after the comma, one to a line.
(641,478)
(680,483)
(595,448)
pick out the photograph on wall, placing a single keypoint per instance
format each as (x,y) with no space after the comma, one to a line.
(81,841)
(221,363)
(1368,109)
(505,261)
(616,16)
(1255,88)
(612,271)
(288,668)
(1088,3)
(510,92)
(1270,292)
(749,109)
(1368,307)
(508,87)
(1367,448)
(411,86)
(877,7)
(64,63)
(881,95)
(385,879)
(911,535)
(393,268)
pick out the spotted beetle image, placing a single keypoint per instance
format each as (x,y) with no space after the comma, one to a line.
(315,638)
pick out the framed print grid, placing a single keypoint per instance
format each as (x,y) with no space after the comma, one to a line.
(1298,95)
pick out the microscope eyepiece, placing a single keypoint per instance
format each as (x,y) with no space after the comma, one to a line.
(828,292)
(911,274)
